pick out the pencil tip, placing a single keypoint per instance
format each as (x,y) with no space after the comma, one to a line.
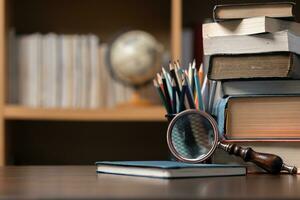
(201,68)
(173,82)
(170,65)
(158,76)
(183,82)
(194,64)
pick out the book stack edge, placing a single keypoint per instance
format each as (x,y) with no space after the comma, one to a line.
(252,51)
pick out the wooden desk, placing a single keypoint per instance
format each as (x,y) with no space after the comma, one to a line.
(82,182)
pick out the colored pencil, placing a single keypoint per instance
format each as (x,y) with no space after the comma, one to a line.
(181,99)
(167,94)
(162,97)
(159,80)
(168,80)
(194,64)
(189,96)
(201,74)
(174,101)
(193,71)
(173,76)
(205,92)
(178,76)
(198,92)
(190,73)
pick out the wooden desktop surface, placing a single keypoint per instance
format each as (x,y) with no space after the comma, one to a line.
(82,182)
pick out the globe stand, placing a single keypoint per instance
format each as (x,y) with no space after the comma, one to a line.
(136,101)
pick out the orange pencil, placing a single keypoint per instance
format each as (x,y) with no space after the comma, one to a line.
(196,99)
(201,74)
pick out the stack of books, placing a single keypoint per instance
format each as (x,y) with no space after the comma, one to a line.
(254,55)
(62,71)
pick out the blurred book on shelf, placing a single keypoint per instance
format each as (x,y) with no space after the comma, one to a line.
(63,71)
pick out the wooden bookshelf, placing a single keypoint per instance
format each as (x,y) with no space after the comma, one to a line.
(162,18)
(152,113)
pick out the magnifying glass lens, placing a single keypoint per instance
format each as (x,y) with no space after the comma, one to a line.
(192,137)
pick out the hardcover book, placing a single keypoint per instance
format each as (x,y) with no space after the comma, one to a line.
(249,26)
(266,65)
(260,87)
(263,118)
(249,44)
(238,11)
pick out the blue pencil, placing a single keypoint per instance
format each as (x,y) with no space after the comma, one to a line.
(189,96)
(182,98)
(174,97)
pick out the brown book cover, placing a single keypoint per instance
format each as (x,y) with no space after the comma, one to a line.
(246,10)
(247,66)
(263,118)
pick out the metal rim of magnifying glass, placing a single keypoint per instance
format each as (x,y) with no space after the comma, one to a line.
(215,130)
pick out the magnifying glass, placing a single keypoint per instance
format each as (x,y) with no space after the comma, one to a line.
(193,137)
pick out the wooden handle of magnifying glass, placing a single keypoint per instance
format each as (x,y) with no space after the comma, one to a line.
(269,162)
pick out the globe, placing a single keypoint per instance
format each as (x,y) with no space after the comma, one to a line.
(135,57)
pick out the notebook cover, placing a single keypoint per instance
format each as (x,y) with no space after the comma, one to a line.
(164,164)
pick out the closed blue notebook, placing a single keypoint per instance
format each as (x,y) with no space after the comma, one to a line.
(168,169)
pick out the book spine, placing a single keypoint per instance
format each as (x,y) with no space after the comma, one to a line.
(59,74)
(83,73)
(294,72)
(94,73)
(215,18)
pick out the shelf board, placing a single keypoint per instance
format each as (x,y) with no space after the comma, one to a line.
(128,113)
